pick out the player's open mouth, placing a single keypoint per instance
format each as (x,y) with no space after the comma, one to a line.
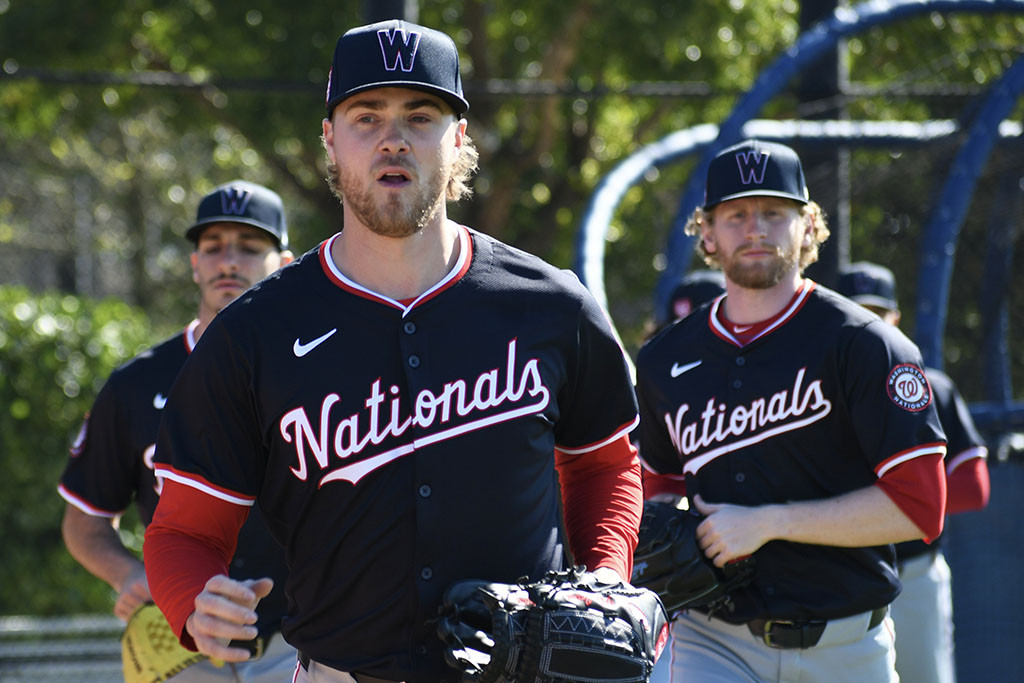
(393,177)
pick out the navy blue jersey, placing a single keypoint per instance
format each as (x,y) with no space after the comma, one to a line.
(963,443)
(399,447)
(112,459)
(824,401)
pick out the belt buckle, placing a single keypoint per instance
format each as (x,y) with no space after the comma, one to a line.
(766,635)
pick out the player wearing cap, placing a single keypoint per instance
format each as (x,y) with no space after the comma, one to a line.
(397,401)
(806,434)
(694,289)
(240,235)
(923,612)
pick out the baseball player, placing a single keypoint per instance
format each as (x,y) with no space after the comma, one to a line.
(694,289)
(240,237)
(923,612)
(807,436)
(397,401)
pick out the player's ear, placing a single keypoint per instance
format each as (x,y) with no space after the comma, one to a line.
(328,139)
(707,234)
(194,259)
(286,257)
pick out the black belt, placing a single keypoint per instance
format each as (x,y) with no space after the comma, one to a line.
(790,635)
(304,660)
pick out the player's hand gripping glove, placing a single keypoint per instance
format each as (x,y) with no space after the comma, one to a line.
(150,652)
(569,626)
(669,561)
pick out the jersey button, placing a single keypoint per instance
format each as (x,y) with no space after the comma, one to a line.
(425,491)
(741,361)
(736,383)
(421,650)
(414,361)
(426,573)
(740,477)
(409,327)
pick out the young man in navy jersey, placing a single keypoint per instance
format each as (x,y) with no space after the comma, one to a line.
(805,432)
(397,401)
(240,236)
(923,613)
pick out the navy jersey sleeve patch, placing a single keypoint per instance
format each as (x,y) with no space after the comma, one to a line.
(908,388)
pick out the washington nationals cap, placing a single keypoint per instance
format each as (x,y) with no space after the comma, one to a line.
(395,54)
(869,284)
(693,291)
(755,168)
(242,202)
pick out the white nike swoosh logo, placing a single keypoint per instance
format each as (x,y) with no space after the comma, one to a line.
(301,349)
(159,401)
(741,330)
(678,369)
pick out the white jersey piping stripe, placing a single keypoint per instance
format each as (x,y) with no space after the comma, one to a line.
(930,449)
(806,288)
(162,473)
(84,506)
(464,251)
(594,446)
(965,455)
(190,335)
(693,465)
(356,471)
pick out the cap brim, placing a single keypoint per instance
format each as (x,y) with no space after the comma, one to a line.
(758,193)
(458,104)
(193,232)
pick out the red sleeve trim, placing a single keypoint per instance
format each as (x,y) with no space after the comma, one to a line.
(84,505)
(657,484)
(937,448)
(191,539)
(965,455)
(163,471)
(967,486)
(602,501)
(619,433)
(918,488)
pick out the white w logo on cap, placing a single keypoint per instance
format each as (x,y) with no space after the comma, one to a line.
(752,165)
(398,52)
(233,201)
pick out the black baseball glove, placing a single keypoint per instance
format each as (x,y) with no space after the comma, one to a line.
(569,626)
(669,561)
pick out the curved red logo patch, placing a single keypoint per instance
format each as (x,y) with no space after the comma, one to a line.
(908,388)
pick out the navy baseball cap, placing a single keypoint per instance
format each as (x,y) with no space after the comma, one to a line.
(755,168)
(869,284)
(693,291)
(242,202)
(396,54)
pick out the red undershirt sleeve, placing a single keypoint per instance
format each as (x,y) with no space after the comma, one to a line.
(602,501)
(191,539)
(967,486)
(918,488)
(657,484)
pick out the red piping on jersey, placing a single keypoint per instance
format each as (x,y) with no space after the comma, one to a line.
(200,484)
(965,455)
(791,309)
(937,448)
(82,505)
(454,275)
(621,431)
(189,336)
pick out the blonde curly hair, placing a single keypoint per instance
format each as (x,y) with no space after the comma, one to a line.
(810,212)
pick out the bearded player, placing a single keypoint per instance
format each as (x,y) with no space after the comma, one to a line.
(806,433)
(240,236)
(397,401)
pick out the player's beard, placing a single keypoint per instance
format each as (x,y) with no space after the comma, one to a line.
(401,214)
(763,274)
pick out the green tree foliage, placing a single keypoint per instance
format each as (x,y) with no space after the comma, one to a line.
(55,352)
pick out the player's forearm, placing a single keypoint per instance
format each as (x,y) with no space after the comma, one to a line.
(96,545)
(865,517)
